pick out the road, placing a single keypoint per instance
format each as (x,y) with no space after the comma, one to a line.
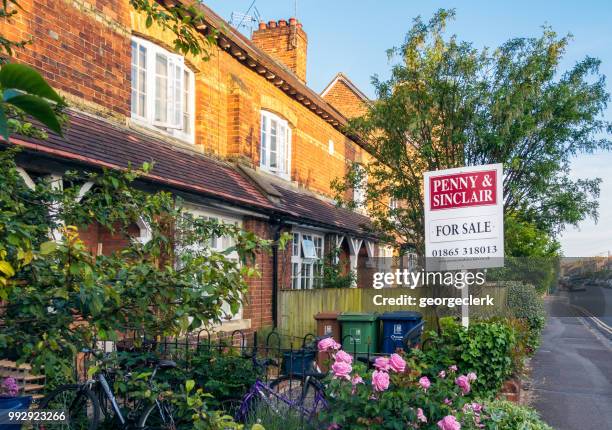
(572,372)
(596,300)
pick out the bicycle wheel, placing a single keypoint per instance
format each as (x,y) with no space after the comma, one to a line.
(79,403)
(158,416)
(299,390)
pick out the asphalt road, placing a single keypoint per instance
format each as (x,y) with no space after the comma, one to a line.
(572,372)
(596,300)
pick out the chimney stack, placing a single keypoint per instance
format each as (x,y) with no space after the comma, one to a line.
(286,42)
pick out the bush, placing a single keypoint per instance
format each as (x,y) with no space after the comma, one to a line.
(526,304)
(223,373)
(504,415)
(484,348)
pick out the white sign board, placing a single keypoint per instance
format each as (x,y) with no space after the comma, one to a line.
(464,218)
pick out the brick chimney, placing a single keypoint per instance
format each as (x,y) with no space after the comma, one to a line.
(286,42)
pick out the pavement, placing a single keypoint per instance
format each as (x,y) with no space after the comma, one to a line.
(572,371)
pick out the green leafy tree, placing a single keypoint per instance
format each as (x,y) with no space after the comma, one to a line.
(448,104)
(58,297)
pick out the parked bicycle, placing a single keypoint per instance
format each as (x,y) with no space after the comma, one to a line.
(299,390)
(93,402)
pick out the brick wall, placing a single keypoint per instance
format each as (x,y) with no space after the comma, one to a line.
(81,48)
(286,42)
(343,98)
(98,238)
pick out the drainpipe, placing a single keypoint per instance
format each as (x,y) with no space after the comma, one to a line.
(277,225)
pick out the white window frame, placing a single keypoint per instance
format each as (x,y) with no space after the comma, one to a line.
(330,147)
(359,191)
(219,244)
(176,89)
(283,145)
(306,272)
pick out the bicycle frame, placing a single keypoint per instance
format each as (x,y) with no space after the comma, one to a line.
(264,392)
(111,396)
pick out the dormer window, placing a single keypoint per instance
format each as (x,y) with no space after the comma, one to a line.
(162,90)
(275,153)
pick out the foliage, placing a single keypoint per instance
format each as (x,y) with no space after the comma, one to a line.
(223,373)
(448,104)
(183,21)
(333,272)
(60,297)
(196,403)
(485,348)
(264,417)
(506,415)
(395,396)
(526,304)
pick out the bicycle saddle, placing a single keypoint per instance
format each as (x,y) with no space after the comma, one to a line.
(165,364)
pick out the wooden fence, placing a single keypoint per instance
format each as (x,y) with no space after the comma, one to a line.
(298,307)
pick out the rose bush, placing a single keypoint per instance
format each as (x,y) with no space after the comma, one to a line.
(394,396)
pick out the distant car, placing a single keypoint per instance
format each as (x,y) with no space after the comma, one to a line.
(609,283)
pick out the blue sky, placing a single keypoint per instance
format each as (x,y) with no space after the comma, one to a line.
(352,37)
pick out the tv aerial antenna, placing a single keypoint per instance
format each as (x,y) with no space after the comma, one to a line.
(247,20)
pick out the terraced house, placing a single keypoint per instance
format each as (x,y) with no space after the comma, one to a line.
(240,136)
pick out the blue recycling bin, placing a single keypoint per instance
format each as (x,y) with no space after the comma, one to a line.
(395,326)
(298,362)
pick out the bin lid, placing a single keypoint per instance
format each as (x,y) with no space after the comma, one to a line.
(330,315)
(357,316)
(402,315)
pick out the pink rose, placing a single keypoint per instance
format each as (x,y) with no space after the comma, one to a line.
(471,376)
(341,370)
(463,383)
(9,387)
(333,426)
(397,363)
(442,374)
(449,422)
(328,344)
(380,380)
(447,401)
(453,368)
(476,407)
(357,380)
(381,363)
(421,416)
(424,382)
(345,357)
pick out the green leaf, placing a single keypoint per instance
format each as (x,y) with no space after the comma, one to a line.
(28,80)
(38,108)
(4,131)
(48,247)
(189,384)
(7,269)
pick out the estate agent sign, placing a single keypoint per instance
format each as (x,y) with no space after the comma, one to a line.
(464,218)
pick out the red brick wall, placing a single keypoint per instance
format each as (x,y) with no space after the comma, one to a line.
(82,49)
(95,235)
(343,98)
(286,42)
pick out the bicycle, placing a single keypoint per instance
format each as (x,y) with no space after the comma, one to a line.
(82,403)
(301,392)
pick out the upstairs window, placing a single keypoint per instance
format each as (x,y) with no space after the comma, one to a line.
(162,90)
(359,191)
(275,154)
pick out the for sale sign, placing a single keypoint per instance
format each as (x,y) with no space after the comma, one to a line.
(464,218)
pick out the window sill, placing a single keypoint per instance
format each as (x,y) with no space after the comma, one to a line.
(145,127)
(231,325)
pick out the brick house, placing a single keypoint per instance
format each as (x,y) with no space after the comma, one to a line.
(239,137)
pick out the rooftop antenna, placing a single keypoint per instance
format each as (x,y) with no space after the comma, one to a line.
(245,20)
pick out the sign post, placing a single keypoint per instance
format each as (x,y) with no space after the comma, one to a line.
(464,220)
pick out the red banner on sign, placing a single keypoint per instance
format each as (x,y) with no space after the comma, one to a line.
(463,190)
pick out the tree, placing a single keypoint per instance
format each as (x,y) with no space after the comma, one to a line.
(58,297)
(448,104)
